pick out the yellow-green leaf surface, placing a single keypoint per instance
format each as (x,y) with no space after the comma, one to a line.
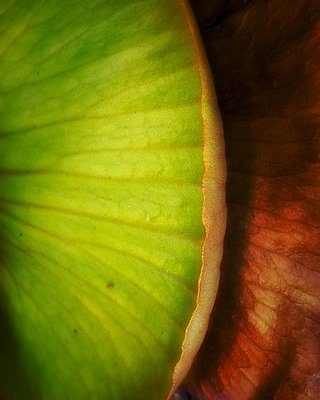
(104,116)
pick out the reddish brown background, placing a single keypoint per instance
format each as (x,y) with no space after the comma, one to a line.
(264,336)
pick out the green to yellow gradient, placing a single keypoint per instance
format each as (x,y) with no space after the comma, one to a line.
(101,197)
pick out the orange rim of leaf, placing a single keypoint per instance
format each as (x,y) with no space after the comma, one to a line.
(213,211)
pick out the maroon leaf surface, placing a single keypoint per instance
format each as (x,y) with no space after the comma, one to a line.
(264,337)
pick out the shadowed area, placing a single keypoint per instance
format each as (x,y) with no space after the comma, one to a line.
(10,366)
(11,363)
(263,339)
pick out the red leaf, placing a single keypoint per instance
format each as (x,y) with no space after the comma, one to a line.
(264,337)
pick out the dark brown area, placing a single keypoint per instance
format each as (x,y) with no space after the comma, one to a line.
(263,340)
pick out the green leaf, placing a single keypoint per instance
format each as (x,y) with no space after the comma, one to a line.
(103,127)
